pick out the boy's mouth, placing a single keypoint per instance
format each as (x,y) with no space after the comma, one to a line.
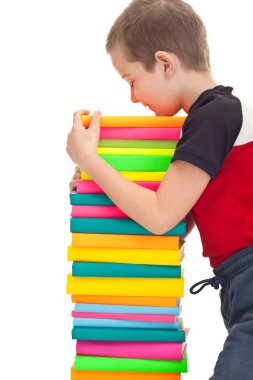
(148,106)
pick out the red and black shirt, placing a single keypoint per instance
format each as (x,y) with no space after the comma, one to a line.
(217,136)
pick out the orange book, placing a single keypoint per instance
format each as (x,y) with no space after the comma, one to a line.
(103,375)
(137,121)
(130,301)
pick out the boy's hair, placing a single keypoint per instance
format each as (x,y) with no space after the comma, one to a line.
(147,26)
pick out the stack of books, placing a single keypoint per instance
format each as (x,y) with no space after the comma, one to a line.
(126,282)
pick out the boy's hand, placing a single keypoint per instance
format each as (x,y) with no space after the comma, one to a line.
(83,142)
(77,175)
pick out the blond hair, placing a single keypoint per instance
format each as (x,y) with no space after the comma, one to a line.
(147,26)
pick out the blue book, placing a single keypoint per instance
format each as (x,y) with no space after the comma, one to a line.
(103,322)
(125,309)
(125,226)
(128,334)
(90,199)
(93,269)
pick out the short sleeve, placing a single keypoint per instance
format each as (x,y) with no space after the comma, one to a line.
(209,133)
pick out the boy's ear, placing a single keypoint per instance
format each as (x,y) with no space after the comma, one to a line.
(167,61)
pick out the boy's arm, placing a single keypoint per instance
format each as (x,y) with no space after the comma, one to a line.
(159,211)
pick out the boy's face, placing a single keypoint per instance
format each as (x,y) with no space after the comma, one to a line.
(152,89)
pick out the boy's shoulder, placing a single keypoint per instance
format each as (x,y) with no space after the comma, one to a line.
(219,104)
(224,114)
(210,130)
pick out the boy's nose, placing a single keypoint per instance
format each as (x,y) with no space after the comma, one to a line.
(133,97)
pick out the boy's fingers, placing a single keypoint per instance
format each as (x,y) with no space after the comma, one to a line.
(77,175)
(72,185)
(95,121)
(77,117)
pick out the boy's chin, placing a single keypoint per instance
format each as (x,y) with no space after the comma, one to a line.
(162,114)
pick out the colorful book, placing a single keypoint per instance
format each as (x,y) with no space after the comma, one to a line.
(88,211)
(109,375)
(150,176)
(124,309)
(114,286)
(129,335)
(95,206)
(124,300)
(127,317)
(136,121)
(119,340)
(102,322)
(138,350)
(94,269)
(118,226)
(99,363)
(138,163)
(125,241)
(168,257)
(140,133)
(123,143)
(90,199)
(96,200)
(139,152)
(92,187)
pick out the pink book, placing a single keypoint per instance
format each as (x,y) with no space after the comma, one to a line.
(127,317)
(97,212)
(140,133)
(140,350)
(91,186)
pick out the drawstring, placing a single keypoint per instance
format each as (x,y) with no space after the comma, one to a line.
(215,282)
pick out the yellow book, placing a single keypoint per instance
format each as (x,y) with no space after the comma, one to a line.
(136,151)
(137,121)
(125,241)
(152,287)
(130,256)
(131,301)
(134,176)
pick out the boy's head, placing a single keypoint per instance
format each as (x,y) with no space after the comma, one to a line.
(148,26)
(160,48)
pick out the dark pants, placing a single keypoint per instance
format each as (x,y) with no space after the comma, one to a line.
(235,362)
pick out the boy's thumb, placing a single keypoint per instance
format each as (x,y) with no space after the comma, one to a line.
(95,120)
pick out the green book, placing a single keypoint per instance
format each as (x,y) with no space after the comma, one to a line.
(128,334)
(100,363)
(124,226)
(124,143)
(93,269)
(138,162)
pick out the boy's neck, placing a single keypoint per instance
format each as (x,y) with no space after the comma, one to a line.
(194,84)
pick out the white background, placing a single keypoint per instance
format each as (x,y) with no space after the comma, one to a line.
(53,62)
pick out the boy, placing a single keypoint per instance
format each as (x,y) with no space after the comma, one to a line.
(160,48)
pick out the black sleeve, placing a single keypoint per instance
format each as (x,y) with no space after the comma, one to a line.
(209,133)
